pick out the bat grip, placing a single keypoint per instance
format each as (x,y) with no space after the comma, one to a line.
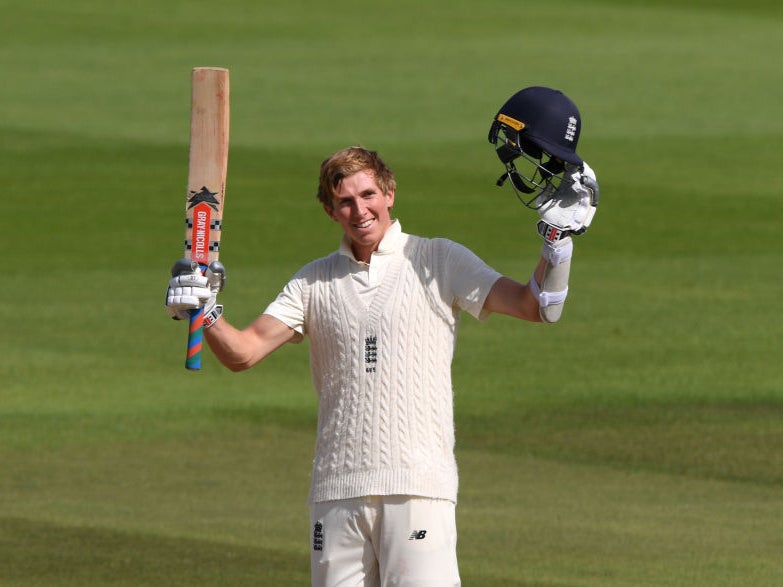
(195,339)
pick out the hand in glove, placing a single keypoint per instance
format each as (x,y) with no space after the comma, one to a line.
(189,289)
(568,210)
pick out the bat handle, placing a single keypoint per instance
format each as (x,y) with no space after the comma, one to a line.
(195,339)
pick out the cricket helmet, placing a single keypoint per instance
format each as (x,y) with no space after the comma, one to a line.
(541,126)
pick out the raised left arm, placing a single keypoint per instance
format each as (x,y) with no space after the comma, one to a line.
(515,299)
(569,211)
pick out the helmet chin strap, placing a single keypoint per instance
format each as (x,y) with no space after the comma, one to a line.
(516,179)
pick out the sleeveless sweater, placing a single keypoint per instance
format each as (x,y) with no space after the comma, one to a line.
(383,372)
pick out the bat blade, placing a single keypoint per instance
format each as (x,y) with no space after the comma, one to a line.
(207,169)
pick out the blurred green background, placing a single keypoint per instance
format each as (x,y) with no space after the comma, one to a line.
(637,442)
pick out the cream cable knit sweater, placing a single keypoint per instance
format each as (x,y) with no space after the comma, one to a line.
(383,372)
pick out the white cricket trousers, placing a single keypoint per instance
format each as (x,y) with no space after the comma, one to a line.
(384,541)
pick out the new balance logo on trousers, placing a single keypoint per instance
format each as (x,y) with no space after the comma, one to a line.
(418,535)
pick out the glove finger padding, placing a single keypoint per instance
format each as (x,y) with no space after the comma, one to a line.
(188,290)
(187,298)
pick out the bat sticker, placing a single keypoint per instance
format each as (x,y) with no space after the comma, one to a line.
(203,196)
(214,224)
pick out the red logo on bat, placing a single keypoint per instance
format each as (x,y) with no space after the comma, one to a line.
(200,238)
(202,203)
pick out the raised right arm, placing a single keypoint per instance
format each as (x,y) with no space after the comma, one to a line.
(241,349)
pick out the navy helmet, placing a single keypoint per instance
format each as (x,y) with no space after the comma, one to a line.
(542,126)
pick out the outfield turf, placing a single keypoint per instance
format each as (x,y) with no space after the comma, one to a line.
(639,442)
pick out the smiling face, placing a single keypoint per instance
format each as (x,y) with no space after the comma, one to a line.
(363,210)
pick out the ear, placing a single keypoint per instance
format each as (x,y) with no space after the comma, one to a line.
(390,199)
(330,212)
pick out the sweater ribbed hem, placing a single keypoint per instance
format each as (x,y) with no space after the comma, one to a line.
(423,483)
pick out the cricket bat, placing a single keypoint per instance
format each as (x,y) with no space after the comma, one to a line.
(207,167)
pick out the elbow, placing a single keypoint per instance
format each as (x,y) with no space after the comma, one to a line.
(233,361)
(550,314)
(238,364)
(237,367)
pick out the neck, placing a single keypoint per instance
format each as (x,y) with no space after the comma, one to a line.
(362,254)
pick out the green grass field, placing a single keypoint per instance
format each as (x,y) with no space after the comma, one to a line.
(638,442)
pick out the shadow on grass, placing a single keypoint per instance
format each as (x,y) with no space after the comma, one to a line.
(44,554)
(726,442)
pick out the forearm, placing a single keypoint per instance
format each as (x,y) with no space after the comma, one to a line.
(550,281)
(241,349)
(228,345)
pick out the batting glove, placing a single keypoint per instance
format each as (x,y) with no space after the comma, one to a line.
(569,210)
(190,289)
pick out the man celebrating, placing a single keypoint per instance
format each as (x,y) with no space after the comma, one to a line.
(382,314)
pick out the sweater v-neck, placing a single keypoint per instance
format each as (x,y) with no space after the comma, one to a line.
(371,312)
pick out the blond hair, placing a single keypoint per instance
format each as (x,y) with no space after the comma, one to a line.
(347,162)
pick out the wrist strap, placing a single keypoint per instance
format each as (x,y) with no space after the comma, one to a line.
(212,316)
(546,298)
(551,234)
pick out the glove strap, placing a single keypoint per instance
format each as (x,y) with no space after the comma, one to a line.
(212,316)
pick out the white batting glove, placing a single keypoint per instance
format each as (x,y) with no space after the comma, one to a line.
(189,289)
(570,209)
